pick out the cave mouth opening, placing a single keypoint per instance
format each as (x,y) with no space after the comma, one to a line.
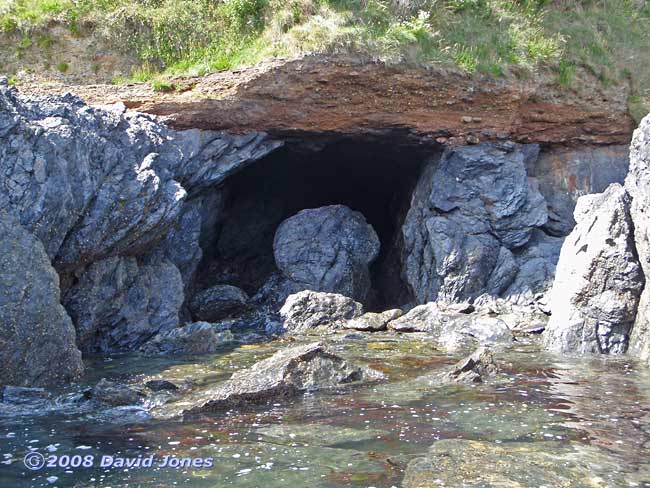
(371,177)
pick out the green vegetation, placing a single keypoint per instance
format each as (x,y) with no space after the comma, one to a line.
(609,38)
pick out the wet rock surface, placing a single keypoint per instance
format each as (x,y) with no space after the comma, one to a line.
(307,311)
(599,279)
(327,249)
(193,338)
(114,394)
(470,212)
(37,337)
(476,368)
(284,375)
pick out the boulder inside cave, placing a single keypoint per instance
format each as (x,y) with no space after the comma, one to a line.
(373,178)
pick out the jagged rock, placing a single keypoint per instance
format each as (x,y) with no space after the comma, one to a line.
(218,302)
(114,394)
(161,385)
(473,369)
(286,374)
(637,184)
(327,249)
(599,279)
(517,317)
(423,318)
(372,321)
(194,338)
(275,292)
(37,338)
(307,310)
(117,304)
(465,209)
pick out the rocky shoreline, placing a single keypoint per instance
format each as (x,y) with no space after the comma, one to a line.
(122,235)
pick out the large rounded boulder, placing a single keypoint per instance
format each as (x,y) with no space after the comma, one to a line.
(327,249)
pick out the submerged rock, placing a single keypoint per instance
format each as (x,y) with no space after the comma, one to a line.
(117,304)
(37,338)
(194,338)
(218,302)
(161,385)
(114,394)
(327,249)
(599,279)
(372,321)
(470,212)
(18,395)
(452,462)
(286,374)
(308,310)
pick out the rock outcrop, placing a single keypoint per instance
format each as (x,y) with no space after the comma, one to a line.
(637,184)
(372,321)
(37,337)
(599,279)
(286,374)
(327,249)
(476,368)
(119,202)
(471,214)
(308,310)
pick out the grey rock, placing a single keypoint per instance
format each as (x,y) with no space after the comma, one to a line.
(599,279)
(275,291)
(194,338)
(218,302)
(372,321)
(452,330)
(637,185)
(37,338)
(117,304)
(161,385)
(114,394)
(308,310)
(92,183)
(466,207)
(475,368)
(565,175)
(285,375)
(327,249)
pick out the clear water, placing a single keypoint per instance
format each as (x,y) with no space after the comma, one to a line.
(544,421)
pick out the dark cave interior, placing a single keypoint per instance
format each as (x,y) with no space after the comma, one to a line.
(373,178)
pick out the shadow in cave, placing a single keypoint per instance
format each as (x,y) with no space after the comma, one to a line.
(373,178)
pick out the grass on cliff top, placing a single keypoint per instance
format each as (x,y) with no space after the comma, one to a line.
(610,38)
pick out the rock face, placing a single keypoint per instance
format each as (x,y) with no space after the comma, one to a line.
(194,338)
(637,184)
(117,305)
(471,213)
(308,310)
(284,375)
(327,249)
(218,302)
(119,202)
(37,338)
(599,278)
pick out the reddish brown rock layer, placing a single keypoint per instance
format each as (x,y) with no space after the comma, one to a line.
(326,96)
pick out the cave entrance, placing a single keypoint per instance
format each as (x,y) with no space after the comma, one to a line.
(373,178)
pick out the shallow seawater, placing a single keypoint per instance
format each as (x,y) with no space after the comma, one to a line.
(544,421)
